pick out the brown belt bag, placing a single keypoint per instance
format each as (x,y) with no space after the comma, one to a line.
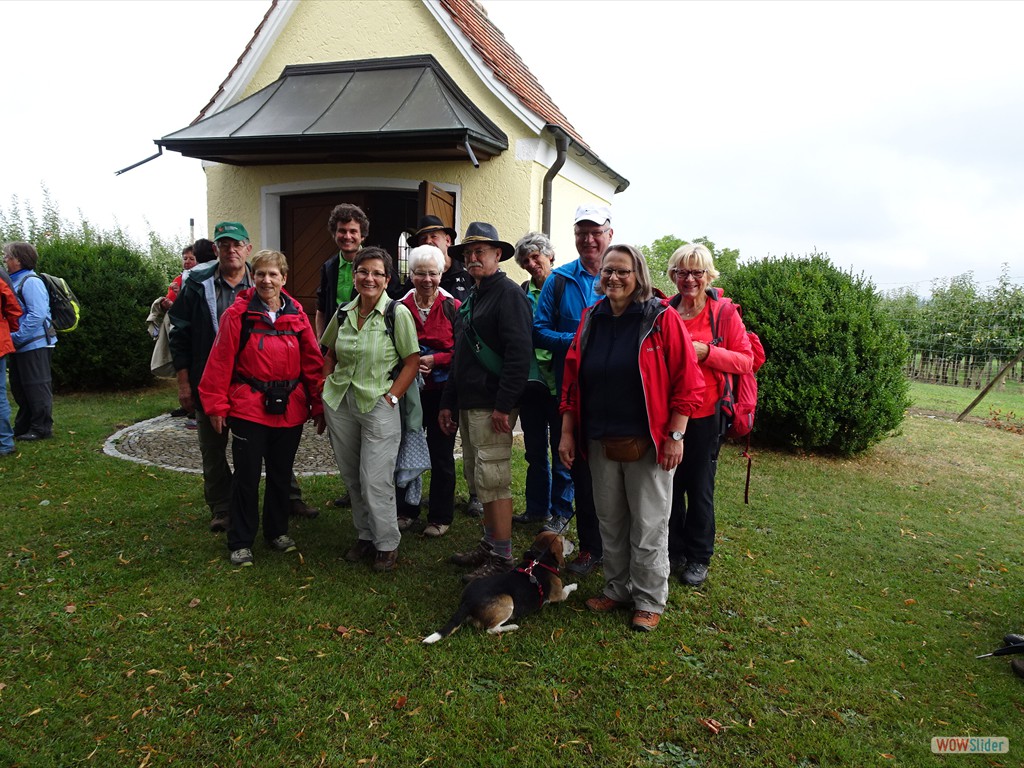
(625,449)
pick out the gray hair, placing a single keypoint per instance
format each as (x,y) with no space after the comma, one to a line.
(534,242)
(426,255)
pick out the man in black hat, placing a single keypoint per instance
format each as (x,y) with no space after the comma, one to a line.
(491,364)
(432,231)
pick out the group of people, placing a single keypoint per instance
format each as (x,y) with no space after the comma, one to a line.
(617,388)
(27,339)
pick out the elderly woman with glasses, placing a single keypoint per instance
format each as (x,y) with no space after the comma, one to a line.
(433,310)
(262,381)
(630,385)
(549,492)
(720,343)
(361,395)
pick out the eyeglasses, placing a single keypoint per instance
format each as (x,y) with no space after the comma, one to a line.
(477,253)
(590,234)
(696,274)
(367,273)
(426,274)
(622,274)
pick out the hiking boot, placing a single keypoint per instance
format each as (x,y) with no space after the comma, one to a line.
(283,543)
(179,413)
(363,549)
(435,530)
(645,621)
(495,564)
(242,557)
(694,574)
(299,508)
(584,564)
(386,561)
(525,519)
(473,559)
(343,501)
(557,524)
(219,522)
(405,523)
(475,507)
(603,604)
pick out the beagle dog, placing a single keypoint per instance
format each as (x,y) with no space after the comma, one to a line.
(493,601)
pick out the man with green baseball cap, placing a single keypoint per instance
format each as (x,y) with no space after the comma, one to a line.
(195,318)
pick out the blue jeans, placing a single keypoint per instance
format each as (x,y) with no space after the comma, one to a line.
(549,487)
(6,433)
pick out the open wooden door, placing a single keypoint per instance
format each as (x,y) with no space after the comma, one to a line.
(434,201)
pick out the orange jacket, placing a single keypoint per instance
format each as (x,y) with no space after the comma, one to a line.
(10,314)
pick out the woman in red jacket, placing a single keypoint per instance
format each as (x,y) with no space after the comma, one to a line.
(263,381)
(10,315)
(630,385)
(723,349)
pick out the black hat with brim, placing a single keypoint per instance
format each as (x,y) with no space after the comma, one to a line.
(431,224)
(482,232)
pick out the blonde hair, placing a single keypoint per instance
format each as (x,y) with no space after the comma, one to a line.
(273,258)
(695,256)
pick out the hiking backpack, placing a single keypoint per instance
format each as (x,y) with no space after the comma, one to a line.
(738,405)
(65,309)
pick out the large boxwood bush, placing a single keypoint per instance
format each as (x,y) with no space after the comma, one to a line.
(833,380)
(115,284)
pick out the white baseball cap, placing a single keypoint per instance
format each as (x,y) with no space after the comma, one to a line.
(599,214)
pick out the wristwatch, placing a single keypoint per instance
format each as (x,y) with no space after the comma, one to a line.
(677,436)
(391,398)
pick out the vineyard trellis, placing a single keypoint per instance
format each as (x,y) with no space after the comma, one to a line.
(962,335)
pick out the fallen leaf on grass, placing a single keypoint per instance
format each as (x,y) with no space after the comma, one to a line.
(887,756)
(910,601)
(400,702)
(194,602)
(712,725)
(70,608)
(121,559)
(65,553)
(35,711)
(154,671)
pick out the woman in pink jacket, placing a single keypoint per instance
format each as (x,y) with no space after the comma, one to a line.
(263,381)
(721,345)
(630,385)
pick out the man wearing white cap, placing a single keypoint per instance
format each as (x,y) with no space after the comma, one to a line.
(566,293)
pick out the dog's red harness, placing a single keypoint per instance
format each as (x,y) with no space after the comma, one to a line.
(533,579)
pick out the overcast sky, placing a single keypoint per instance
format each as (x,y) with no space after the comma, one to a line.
(886,134)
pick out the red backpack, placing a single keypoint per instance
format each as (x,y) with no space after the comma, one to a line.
(738,403)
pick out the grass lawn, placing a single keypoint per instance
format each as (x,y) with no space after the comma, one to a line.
(839,624)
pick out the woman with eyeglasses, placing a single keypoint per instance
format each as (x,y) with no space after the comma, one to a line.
(630,385)
(720,343)
(433,310)
(361,396)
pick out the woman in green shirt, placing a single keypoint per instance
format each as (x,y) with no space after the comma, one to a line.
(361,403)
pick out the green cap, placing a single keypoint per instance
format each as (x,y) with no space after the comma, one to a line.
(231,229)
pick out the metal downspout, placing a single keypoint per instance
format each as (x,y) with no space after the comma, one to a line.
(562,147)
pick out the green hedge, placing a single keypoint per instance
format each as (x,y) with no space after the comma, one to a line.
(115,284)
(833,380)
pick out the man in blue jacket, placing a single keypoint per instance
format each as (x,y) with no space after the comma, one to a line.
(566,293)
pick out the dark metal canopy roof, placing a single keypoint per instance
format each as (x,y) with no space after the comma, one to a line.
(373,110)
